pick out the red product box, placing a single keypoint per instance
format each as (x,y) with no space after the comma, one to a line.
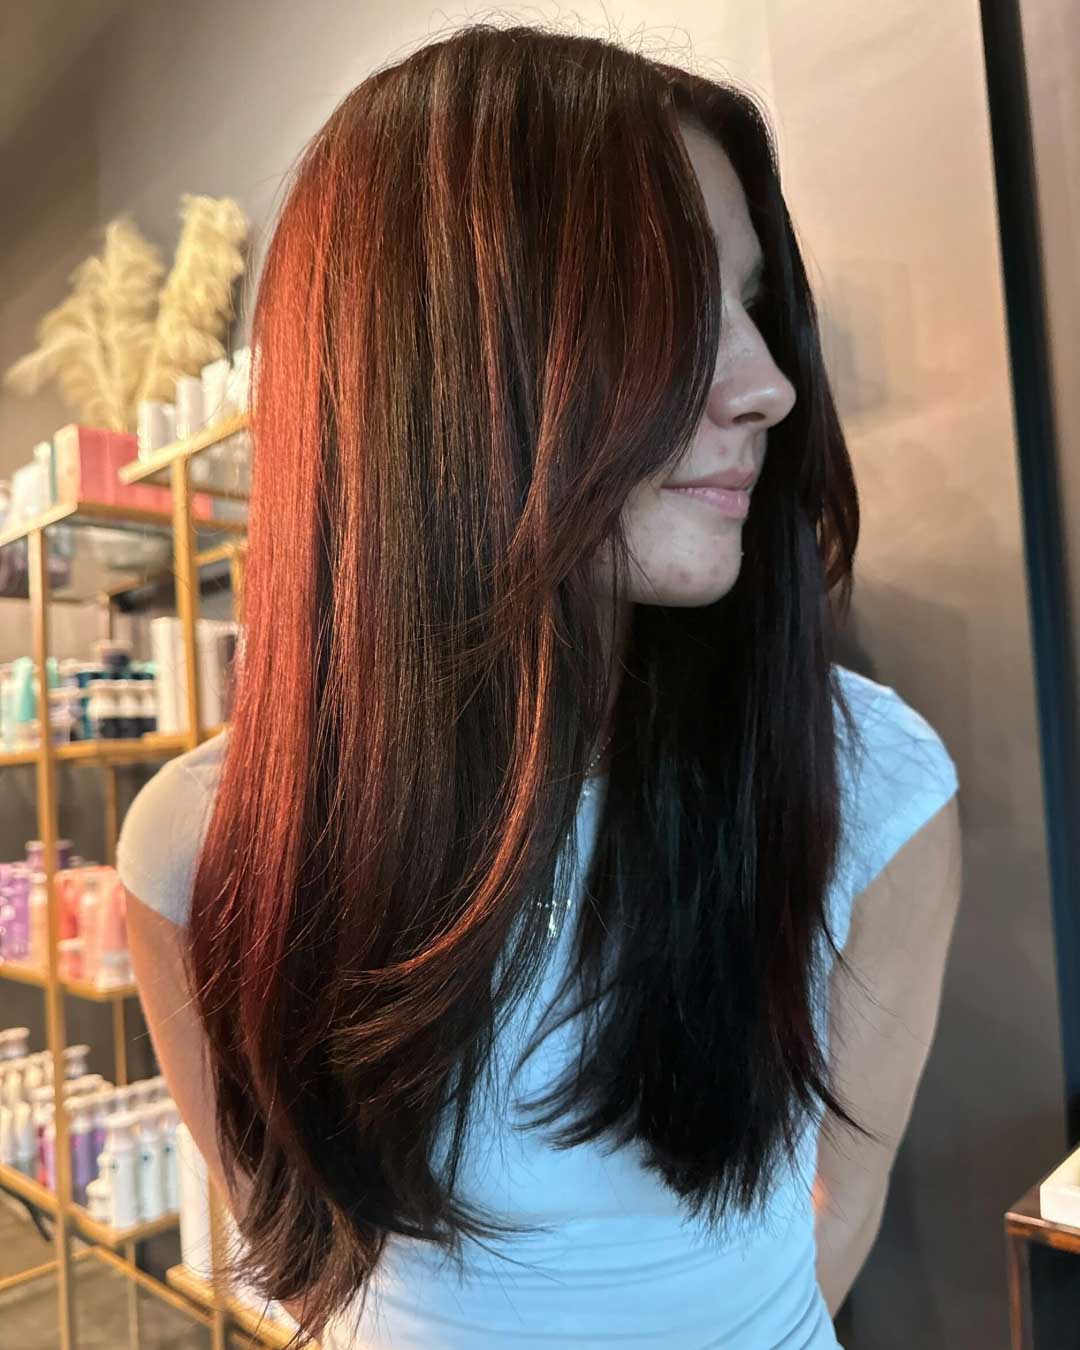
(122,448)
(82,464)
(88,461)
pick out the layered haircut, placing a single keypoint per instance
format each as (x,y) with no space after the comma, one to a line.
(490,307)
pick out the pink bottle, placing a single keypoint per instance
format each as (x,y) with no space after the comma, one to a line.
(39,921)
(90,914)
(113,917)
(68,889)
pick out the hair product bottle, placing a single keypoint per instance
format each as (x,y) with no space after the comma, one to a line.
(119,1166)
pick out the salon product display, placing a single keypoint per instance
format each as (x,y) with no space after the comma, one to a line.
(215,641)
(80,464)
(29,492)
(219,392)
(91,916)
(124,1165)
(110,697)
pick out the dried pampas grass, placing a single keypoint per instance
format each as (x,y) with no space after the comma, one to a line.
(196,302)
(120,336)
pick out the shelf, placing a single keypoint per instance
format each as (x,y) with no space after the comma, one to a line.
(108,1236)
(147,748)
(92,994)
(15,970)
(96,548)
(269,1330)
(12,758)
(155,468)
(109,753)
(13,1180)
(84,989)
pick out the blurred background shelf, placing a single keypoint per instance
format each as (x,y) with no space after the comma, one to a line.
(270,1331)
(85,989)
(210,475)
(97,550)
(109,753)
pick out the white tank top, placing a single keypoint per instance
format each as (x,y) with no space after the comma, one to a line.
(618,1262)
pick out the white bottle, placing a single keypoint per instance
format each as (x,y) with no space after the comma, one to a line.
(12,1090)
(100,710)
(156,1089)
(148,705)
(25,1139)
(194,1206)
(125,1098)
(75,1060)
(48,1150)
(33,1076)
(150,1181)
(42,1096)
(7,1136)
(99,1200)
(120,1153)
(88,1082)
(101,1104)
(14,1043)
(168,1118)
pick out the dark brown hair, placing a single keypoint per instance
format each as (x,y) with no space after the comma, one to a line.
(490,307)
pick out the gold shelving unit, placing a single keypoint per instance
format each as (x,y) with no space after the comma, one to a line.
(193,544)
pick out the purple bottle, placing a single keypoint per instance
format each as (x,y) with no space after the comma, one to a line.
(48,1154)
(101,1105)
(17,913)
(83,1158)
(5,917)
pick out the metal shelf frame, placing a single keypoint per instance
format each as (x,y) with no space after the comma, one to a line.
(207,1305)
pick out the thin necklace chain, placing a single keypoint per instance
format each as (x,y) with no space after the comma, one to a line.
(598,756)
(555,918)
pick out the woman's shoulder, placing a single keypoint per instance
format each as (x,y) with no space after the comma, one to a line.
(164,828)
(896,773)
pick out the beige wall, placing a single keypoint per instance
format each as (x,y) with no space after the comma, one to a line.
(890,175)
(883,129)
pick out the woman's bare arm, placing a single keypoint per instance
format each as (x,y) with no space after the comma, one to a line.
(880,1037)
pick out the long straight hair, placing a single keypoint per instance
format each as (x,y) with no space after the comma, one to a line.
(491,307)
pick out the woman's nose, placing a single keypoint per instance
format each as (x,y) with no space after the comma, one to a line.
(755,392)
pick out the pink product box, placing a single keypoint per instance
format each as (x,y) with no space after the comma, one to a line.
(88,460)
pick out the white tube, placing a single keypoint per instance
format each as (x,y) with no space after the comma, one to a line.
(150,1180)
(194,1206)
(121,1152)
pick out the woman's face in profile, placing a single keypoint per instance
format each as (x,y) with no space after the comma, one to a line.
(686,545)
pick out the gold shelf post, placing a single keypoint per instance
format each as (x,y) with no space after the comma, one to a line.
(187,589)
(54,994)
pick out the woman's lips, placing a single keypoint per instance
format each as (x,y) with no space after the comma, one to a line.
(734,503)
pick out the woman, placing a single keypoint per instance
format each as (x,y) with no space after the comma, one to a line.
(506,955)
